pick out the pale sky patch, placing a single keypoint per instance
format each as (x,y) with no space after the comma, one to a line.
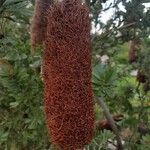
(105,16)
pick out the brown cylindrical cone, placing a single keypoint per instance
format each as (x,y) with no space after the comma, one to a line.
(68,97)
(132,56)
(39,22)
(141,77)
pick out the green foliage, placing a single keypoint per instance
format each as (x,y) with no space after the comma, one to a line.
(103,80)
(21,113)
(14,9)
(100,141)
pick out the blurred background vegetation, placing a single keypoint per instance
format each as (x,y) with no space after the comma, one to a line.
(121,75)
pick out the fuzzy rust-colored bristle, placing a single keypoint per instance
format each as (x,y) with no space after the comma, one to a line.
(39,22)
(132,51)
(141,77)
(68,97)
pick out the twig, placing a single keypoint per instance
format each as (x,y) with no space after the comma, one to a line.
(108,116)
(127,25)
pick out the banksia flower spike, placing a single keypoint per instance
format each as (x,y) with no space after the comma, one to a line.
(67,75)
(133,49)
(39,22)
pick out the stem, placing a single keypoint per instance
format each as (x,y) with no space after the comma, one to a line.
(141,98)
(111,121)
